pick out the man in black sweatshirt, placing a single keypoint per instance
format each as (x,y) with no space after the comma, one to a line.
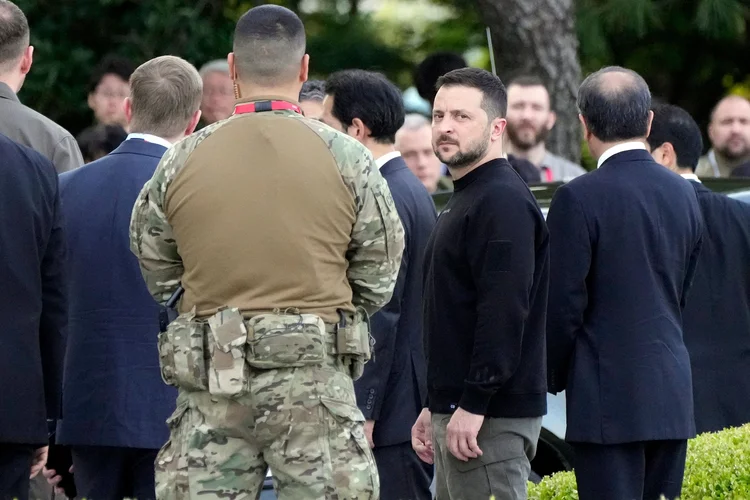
(485,298)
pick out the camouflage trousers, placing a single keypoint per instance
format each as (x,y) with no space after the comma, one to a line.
(302,422)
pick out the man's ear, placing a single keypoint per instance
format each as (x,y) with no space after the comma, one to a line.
(193,123)
(127,106)
(497,129)
(27,59)
(304,68)
(650,121)
(361,131)
(584,127)
(232,67)
(551,120)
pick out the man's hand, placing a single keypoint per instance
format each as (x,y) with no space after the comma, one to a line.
(37,463)
(421,437)
(461,435)
(54,479)
(369,427)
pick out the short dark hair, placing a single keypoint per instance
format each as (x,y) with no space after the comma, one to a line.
(615,109)
(269,44)
(313,90)
(433,67)
(100,140)
(111,64)
(494,95)
(369,96)
(674,125)
(14,33)
(528,81)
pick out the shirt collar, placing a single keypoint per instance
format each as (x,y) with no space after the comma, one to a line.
(386,158)
(150,138)
(619,148)
(691,177)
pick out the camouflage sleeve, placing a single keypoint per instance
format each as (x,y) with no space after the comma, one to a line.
(151,238)
(377,237)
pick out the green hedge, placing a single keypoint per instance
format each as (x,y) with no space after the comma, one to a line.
(717,468)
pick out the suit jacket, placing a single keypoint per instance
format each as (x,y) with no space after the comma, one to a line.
(717,315)
(113,392)
(32,295)
(32,129)
(393,385)
(625,240)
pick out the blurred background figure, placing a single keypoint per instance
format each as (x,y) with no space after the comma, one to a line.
(741,171)
(414,141)
(99,140)
(729,132)
(311,98)
(218,92)
(530,120)
(108,89)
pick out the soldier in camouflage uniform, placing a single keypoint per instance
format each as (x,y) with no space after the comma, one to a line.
(284,237)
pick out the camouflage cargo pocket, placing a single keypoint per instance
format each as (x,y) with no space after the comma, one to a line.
(228,373)
(286,340)
(181,353)
(350,453)
(166,358)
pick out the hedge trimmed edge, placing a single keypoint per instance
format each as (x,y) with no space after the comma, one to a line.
(717,468)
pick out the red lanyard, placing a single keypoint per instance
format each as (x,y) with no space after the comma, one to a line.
(548,174)
(259,106)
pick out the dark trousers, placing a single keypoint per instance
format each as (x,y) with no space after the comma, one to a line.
(111,473)
(403,476)
(630,471)
(15,468)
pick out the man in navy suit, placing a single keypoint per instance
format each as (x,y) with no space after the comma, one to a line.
(716,320)
(625,240)
(390,393)
(116,403)
(33,307)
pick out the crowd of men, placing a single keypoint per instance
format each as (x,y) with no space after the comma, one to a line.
(255,278)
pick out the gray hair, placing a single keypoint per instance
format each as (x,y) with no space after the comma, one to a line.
(215,66)
(415,121)
(615,104)
(313,90)
(165,93)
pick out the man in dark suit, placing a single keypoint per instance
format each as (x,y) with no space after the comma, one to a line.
(115,400)
(33,308)
(390,392)
(716,320)
(625,241)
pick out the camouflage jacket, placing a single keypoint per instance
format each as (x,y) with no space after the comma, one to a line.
(377,238)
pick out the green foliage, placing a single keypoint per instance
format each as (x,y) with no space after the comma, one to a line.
(70,38)
(717,468)
(685,49)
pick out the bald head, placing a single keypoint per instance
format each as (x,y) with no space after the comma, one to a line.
(14,34)
(729,129)
(615,103)
(269,46)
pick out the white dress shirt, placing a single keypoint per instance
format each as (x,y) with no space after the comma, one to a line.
(691,177)
(386,158)
(620,148)
(150,138)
